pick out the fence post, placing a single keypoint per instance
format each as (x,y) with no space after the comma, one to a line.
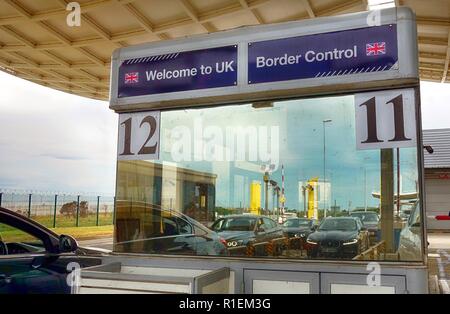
(29,205)
(54,211)
(78,211)
(98,208)
(1,196)
(114,211)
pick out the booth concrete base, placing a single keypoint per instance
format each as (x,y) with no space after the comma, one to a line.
(274,276)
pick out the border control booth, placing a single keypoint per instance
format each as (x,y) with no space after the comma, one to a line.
(271,159)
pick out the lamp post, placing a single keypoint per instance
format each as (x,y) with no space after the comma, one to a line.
(274,185)
(324,160)
(266,191)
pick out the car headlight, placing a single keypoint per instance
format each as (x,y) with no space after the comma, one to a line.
(311,242)
(349,242)
(234,243)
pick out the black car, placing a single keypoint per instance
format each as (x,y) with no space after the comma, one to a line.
(34,259)
(341,237)
(371,221)
(242,230)
(299,228)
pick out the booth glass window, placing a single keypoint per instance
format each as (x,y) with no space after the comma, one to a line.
(278,179)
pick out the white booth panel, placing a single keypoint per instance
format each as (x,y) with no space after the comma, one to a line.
(361,289)
(276,282)
(280,287)
(357,283)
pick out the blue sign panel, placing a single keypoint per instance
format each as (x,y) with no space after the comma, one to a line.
(175,72)
(363,50)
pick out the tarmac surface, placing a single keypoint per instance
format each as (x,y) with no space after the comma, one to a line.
(439,259)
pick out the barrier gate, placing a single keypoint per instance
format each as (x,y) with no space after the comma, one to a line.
(271,159)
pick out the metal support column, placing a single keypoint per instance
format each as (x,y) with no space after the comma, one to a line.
(54,210)
(98,208)
(29,205)
(78,211)
(387,198)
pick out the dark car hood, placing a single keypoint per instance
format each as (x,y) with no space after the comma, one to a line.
(333,235)
(371,225)
(296,229)
(236,235)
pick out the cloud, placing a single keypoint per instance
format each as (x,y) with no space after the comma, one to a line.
(50,140)
(62,157)
(435,107)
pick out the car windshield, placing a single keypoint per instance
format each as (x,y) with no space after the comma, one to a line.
(294,223)
(338,224)
(235,224)
(366,217)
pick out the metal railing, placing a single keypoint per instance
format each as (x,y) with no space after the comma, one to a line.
(62,209)
(375,252)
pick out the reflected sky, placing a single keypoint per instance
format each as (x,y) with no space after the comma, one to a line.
(353,174)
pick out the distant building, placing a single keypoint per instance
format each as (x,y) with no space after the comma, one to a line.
(437,177)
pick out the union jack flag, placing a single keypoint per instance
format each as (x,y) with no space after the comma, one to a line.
(375,49)
(132,77)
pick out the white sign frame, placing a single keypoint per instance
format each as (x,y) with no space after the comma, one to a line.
(139,136)
(390,118)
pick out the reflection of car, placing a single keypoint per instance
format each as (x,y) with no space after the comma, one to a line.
(410,245)
(405,211)
(33,259)
(241,230)
(173,233)
(370,220)
(299,228)
(286,216)
(338,237)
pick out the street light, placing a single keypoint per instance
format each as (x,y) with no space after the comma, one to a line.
(266,179)
(324,183)
(274,185)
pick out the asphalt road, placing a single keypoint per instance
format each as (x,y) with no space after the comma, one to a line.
(103,243)
(439,256)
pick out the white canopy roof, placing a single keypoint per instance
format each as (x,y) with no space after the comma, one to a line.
(37,44)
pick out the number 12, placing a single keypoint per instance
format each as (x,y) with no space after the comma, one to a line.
(144,150)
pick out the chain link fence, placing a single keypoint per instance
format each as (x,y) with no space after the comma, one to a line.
(61,209)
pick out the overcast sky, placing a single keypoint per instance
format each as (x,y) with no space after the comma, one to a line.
(54,141)
(57,142)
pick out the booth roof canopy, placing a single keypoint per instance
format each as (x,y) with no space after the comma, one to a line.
(37,44)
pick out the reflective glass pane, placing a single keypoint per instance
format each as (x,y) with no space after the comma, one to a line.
(281,178)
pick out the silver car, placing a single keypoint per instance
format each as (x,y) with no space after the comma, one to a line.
(410,245)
